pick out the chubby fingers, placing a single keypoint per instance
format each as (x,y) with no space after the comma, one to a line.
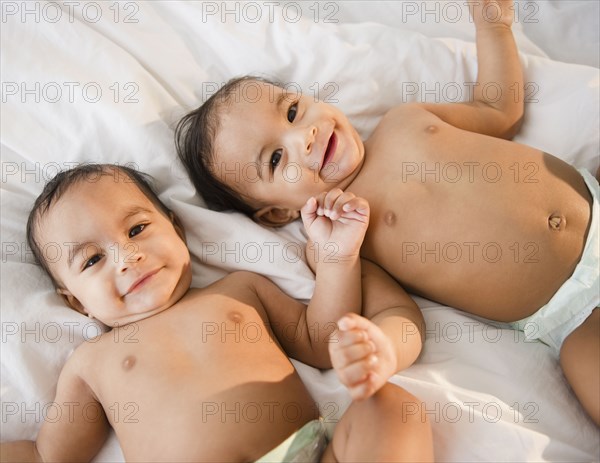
(353,355)
(356,208)
(309,211)
(350,347)
(337,203)
(327,200)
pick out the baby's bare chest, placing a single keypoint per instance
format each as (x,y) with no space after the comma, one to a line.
(432,187)
(192,350)
(188,368)
(437,182)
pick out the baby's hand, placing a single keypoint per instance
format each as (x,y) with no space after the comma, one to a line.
(362,355)
(490,12)
(337,218)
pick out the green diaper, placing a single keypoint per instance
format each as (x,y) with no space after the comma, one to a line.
(305,445)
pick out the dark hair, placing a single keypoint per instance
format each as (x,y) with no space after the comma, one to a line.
(63,181)
(195,134)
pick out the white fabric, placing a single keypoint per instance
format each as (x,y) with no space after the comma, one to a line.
(82,82)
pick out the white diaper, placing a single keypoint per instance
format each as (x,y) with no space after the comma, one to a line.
(578,296)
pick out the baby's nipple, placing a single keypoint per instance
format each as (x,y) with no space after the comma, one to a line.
(128,362)
(389,218)
(235,316)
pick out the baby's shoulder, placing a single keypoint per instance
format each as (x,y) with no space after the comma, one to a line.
(90,348)
(83,361)
(408,113)
(400,124)
(237,289)
(234,284)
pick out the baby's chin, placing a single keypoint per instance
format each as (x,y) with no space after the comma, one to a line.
(129,318)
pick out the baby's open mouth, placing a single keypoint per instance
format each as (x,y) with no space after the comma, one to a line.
(330,150)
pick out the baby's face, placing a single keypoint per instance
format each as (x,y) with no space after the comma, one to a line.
(280,148)
(116,256)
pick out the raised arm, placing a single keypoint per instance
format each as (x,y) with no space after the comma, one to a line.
(498,99)
(336,222)
(70,436)
(287,319)
(367,351)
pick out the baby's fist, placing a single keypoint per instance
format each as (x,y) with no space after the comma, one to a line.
(337,217)
(362,356)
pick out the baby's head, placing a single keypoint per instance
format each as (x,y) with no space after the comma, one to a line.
(260,149)
(113,250)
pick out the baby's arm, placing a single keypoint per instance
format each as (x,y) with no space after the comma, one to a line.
(336,222)
(75,435)
(286,318)
(367,351)
(497,106)
(393,337)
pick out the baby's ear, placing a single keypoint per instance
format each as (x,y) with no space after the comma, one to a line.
(177,225)
(71,300)
(272,216)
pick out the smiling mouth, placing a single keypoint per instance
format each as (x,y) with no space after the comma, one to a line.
(330,150)
(137,284)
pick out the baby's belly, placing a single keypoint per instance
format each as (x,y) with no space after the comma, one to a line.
(212,393)
(500,252)
(239,423)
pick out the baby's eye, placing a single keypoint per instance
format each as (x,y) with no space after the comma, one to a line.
(92,261)
(293,109)
(136,230)
(275,159)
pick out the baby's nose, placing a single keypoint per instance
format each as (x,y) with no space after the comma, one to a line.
(130,259)
(310,138)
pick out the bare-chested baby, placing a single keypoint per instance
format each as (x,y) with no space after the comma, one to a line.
(124,261)
(459,214)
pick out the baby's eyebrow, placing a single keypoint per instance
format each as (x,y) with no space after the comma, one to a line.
(76,250)
(132,211)
(280,99)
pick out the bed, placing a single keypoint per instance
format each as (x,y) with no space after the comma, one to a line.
(107,82)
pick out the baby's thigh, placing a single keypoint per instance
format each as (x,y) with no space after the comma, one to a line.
(328,456)
(388,426)
(580,361)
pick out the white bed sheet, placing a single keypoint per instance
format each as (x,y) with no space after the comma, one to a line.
(106,82)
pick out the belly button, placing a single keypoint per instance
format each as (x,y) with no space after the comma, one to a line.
(389,218)
(128,362)
(557,222)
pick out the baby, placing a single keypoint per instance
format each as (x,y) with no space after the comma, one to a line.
(197,374)
(459,214)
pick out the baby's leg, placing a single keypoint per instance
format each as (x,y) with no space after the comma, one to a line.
(388,426)
(580,361)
